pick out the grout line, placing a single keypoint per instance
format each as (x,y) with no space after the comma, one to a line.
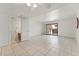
(23,49)
(1,51)
(13,51)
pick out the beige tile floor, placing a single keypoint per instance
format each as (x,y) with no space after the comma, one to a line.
(43,46)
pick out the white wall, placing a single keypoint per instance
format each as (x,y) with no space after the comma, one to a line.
(77,36)
(25,29)
(4,33)
(12,29)
(4,24)
(67,27)
(77,30)
(35,27)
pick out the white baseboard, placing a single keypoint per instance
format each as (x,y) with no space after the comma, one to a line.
(67,37)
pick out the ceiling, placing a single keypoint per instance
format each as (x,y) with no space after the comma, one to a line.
(23,9)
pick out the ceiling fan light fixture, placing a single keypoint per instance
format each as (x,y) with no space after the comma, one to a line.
(29,4)
(35,5)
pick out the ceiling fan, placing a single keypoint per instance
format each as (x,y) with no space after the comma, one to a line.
(32,5)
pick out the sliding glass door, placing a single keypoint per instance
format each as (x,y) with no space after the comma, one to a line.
(52,29)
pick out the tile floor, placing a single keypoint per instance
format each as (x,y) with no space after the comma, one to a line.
(43,46)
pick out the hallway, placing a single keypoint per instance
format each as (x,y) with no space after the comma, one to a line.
(45,45)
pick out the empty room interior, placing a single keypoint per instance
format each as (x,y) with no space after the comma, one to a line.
(39,29)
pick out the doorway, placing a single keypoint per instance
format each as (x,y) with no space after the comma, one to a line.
(15,28)
(18,30)
(52,29)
